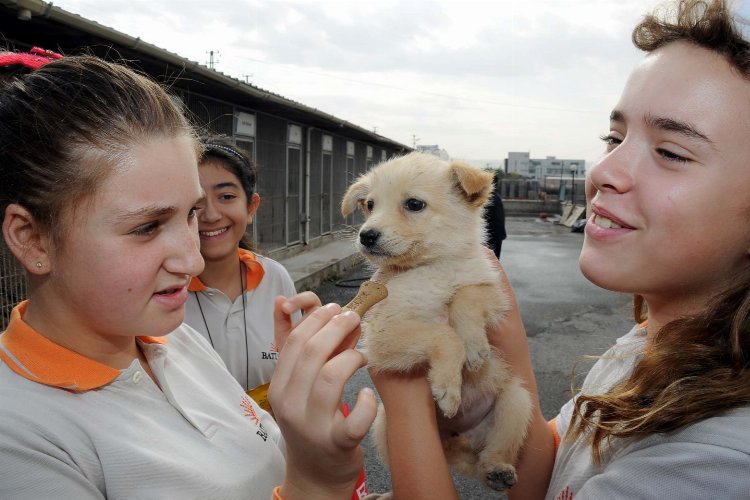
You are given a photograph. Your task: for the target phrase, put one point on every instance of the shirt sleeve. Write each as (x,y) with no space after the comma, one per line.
(32,467)
(673,470)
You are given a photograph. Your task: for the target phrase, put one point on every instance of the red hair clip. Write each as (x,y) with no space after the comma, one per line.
(33,59)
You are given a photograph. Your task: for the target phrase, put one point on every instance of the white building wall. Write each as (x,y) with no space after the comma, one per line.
(538,169)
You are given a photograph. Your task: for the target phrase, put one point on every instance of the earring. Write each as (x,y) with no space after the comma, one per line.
(38,265)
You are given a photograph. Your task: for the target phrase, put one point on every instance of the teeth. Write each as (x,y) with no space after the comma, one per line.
(213,233)
(606,223)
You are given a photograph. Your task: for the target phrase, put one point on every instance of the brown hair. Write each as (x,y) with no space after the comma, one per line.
(699,366)
(66,125)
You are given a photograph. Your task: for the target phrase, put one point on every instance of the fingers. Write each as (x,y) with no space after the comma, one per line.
(355,427)
(295,341)
(333,375)
(310,351)
(305,301)
(282,324)
(284,308)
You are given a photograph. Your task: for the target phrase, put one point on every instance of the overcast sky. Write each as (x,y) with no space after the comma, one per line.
(479,79)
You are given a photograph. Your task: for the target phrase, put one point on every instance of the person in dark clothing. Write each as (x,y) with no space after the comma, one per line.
(494,217)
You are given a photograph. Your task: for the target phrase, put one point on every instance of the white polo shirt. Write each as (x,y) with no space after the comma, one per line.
(706,459)
(250,359)
(72,428)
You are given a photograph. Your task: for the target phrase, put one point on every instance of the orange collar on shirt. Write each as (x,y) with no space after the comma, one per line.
(40,360)
(253,277)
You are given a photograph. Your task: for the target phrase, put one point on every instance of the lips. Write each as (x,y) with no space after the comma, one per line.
(172,297)
(606,220)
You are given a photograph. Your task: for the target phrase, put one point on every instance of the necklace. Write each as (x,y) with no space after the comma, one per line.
(244,324)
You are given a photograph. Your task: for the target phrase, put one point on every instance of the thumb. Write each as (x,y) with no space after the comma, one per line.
(282,323)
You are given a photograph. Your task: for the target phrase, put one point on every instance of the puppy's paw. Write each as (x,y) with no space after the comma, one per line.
(500,478)
(477,356)
(448,398)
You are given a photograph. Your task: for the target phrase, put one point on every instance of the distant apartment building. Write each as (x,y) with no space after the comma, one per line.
(520,163)
(434,150)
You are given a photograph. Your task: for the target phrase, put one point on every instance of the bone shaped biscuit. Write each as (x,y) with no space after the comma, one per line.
(370,293)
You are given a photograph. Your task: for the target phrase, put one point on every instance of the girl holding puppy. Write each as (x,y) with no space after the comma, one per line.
(664,413)
(104,393)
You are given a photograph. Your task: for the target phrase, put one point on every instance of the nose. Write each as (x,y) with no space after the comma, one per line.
(185,252)
(614,172)
(369,237)
(209,213)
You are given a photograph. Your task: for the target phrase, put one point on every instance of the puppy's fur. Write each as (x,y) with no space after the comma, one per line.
(424,233)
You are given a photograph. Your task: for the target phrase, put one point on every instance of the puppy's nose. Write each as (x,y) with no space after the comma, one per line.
(369,237)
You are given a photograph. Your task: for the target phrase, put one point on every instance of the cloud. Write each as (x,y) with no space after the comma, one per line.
(478,78)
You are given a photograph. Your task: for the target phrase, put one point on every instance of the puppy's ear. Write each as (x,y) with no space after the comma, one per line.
(356,192)
(473,183)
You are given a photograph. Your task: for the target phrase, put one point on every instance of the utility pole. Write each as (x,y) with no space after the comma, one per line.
(414,140)
(247,78)
(211,61)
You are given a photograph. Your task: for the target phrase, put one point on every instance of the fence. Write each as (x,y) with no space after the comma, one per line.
(12,284)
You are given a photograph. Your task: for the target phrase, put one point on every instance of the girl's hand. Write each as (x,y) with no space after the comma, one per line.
(418,466)
(285,309)
(534,466)
(324,458)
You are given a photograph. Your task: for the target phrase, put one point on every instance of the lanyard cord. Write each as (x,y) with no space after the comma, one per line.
(244,324)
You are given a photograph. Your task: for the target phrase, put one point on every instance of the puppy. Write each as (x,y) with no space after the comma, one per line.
(424,234)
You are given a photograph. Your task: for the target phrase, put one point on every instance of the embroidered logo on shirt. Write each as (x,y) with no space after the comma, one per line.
(565,494)
(247,405)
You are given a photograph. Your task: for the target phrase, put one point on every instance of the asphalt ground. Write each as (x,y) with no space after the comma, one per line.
(566,318)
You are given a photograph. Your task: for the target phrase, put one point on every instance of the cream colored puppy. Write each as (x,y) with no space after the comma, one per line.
(424,232)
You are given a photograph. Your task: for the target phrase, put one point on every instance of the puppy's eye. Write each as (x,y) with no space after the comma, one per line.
(414,205)
(369,205)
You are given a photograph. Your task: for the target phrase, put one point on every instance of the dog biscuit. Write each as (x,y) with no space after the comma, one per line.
(370,293)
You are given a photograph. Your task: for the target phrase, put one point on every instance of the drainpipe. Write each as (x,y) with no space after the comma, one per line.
(307,185)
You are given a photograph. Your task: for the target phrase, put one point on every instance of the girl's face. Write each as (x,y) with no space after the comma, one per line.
(227,211)
(129,253)
(668,203)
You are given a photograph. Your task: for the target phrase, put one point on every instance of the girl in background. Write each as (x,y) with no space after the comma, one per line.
(231,302)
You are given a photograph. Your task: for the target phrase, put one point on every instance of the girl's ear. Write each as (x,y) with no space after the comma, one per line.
(252,207)
(24,238)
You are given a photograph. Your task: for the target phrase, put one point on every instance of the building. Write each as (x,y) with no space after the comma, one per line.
(434,150)
(306,157)
(520,163)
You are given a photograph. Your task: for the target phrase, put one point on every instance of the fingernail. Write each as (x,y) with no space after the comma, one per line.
(331,306)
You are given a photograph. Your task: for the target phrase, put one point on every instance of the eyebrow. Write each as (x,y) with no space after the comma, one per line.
(151,212)
(668,124)
(148,212)
(223,185)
